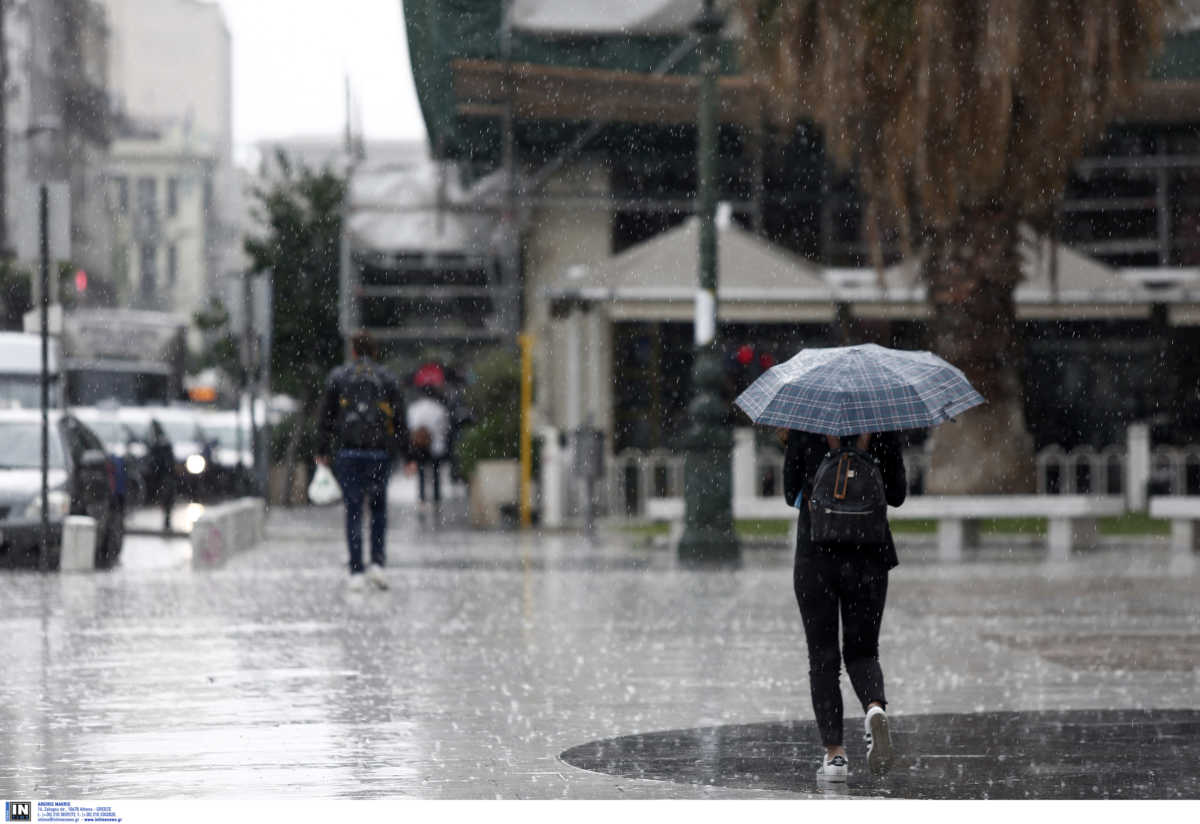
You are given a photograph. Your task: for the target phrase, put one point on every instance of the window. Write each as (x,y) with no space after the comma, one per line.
(147,195)
(145,224)
(172,196)
(121,186)
(172,264)
(149,272)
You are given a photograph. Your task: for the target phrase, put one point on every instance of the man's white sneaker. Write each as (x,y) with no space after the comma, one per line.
(356,583)
(375,576)
(833,769)
(879,741)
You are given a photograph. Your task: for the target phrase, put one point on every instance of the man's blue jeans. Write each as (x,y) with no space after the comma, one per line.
(363,475)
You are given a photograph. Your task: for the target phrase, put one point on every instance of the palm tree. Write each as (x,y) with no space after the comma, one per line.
(961,119)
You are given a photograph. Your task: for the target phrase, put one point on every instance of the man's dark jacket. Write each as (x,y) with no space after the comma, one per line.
(801,459)
(328,438)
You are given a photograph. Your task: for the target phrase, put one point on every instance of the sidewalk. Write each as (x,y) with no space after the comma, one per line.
(539,665)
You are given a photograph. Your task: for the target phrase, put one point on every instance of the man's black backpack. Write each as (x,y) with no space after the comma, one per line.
(848,504)
(366,419)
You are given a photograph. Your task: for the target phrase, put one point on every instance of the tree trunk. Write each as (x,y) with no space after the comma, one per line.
(308,413)
(972,269)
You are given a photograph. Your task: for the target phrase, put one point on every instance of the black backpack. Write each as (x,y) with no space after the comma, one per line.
(366,419)
(848,504)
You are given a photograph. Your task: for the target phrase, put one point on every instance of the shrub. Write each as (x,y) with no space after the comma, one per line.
(494,398)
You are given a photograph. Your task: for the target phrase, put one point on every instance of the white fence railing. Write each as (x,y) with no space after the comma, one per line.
(634,475)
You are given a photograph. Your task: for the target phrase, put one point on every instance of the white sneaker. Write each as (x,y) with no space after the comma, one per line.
(376,577)
(356,583)
(834,769)
(879,741)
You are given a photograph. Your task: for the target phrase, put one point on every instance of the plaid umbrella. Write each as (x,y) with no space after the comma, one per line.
(853,389)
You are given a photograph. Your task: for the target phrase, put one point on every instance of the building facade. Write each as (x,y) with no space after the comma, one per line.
(57,126)
(170,67)
(159,188)
(595,118)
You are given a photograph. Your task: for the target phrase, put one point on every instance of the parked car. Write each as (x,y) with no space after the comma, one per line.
(21,371)
(126,447)
(82,481)
(227,436)
(193,476)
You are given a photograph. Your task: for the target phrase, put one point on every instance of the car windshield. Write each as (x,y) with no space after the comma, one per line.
(25,391)
(178,430)
(108,431)
(21,445)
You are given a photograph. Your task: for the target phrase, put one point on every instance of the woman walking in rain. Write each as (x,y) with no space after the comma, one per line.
(849,579)
(843,480)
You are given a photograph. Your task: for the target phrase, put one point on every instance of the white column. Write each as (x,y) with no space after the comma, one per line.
(1183,536)
(574,367)
(595,365)
(1058,540)
(950,540)
(1137,466)
(552,478)
(745,459)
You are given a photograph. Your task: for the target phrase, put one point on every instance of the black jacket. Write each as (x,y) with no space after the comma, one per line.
(804,453)
(327,422)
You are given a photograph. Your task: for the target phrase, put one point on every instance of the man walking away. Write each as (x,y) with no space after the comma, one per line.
(429,425)
(361,428)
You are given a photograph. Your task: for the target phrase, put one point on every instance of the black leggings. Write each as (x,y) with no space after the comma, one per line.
(854,583)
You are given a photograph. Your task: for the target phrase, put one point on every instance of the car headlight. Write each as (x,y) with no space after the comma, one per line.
(58,502)
(195,464)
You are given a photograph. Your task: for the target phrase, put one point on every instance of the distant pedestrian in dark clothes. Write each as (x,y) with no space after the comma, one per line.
(850,580)
(161,460)
(362,427)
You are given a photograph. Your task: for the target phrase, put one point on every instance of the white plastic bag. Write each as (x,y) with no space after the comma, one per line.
(324,489)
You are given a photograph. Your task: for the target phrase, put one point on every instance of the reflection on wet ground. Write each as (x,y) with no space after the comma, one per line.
(1072,754)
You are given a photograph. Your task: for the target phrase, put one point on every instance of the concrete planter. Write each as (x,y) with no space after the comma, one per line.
(226,529)
(494,484)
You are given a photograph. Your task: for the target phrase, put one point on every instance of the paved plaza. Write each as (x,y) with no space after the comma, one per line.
(542,665)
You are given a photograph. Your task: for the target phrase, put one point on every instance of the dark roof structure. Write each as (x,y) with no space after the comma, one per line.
(564,64)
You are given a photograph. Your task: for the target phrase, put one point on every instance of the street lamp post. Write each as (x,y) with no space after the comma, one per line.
(44,306)
(708,534)
(44,317)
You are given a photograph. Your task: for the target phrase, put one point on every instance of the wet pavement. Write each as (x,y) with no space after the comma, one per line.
(1056,754)
(510,665)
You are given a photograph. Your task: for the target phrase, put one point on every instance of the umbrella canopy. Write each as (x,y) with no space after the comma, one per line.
(431,374)
(849,390)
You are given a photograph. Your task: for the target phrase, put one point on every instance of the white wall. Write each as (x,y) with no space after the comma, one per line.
(556,239)
(170,60)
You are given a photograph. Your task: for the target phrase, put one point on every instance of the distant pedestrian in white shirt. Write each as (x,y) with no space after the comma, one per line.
(429,430)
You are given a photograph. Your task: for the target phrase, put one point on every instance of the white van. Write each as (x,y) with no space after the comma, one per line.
(21,371)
